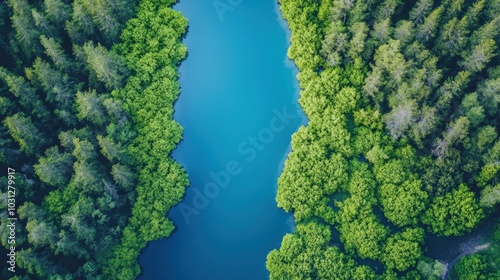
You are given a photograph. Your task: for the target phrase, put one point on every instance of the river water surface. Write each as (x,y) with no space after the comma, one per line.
(238,107)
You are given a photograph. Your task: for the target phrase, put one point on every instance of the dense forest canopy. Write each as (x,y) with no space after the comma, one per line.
(87,91)
(403,101)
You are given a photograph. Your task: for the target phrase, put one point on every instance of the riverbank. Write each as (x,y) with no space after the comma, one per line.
(451,265)
(446,249)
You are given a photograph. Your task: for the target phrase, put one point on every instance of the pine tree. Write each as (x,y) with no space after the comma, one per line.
(453,37)
(43,24)
(57,11)
(108,66)
(25,94)
(84,150)
(55,168)
(123,176)
(23,23)
(110,149)
(58,86)
(400,119)
(54,50)
(21,128)
(420,11)
(81,27)
(427,30)
(477,59)
(456,131)
(490,94)
(90,107)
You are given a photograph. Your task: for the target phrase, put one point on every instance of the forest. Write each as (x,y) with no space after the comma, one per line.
(402,143)
(86,106)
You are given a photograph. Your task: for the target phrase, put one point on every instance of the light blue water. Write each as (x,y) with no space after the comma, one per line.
(236,84)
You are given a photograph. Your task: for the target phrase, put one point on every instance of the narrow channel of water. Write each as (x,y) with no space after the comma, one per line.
(238,107)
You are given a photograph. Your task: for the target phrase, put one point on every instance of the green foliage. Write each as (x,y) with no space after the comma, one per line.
(403,204)
(403,250)
(490,196)
(57,85)
(99,19)
(88,123)
(109,148)
(478,58)
(123,176)
(472,267)
(364,236)
(306,255)
(485,137)
(455,213)
(35,263)
(55,168)
(53,48)
(475,112)
(391,172)
(106,65)
(21,128)
(56,11)
(91,108)
(432,270)
(405,96)
(23,22)
(322,175)
(428,28)
(152,50)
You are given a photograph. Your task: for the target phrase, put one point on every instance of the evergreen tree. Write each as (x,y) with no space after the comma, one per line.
(22,129)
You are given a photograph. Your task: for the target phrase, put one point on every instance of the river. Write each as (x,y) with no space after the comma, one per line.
(238,107)
(449,250)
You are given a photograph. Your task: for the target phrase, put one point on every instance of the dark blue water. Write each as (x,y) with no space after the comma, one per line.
(238,109)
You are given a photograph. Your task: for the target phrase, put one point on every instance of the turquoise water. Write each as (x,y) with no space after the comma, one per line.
(238,109)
